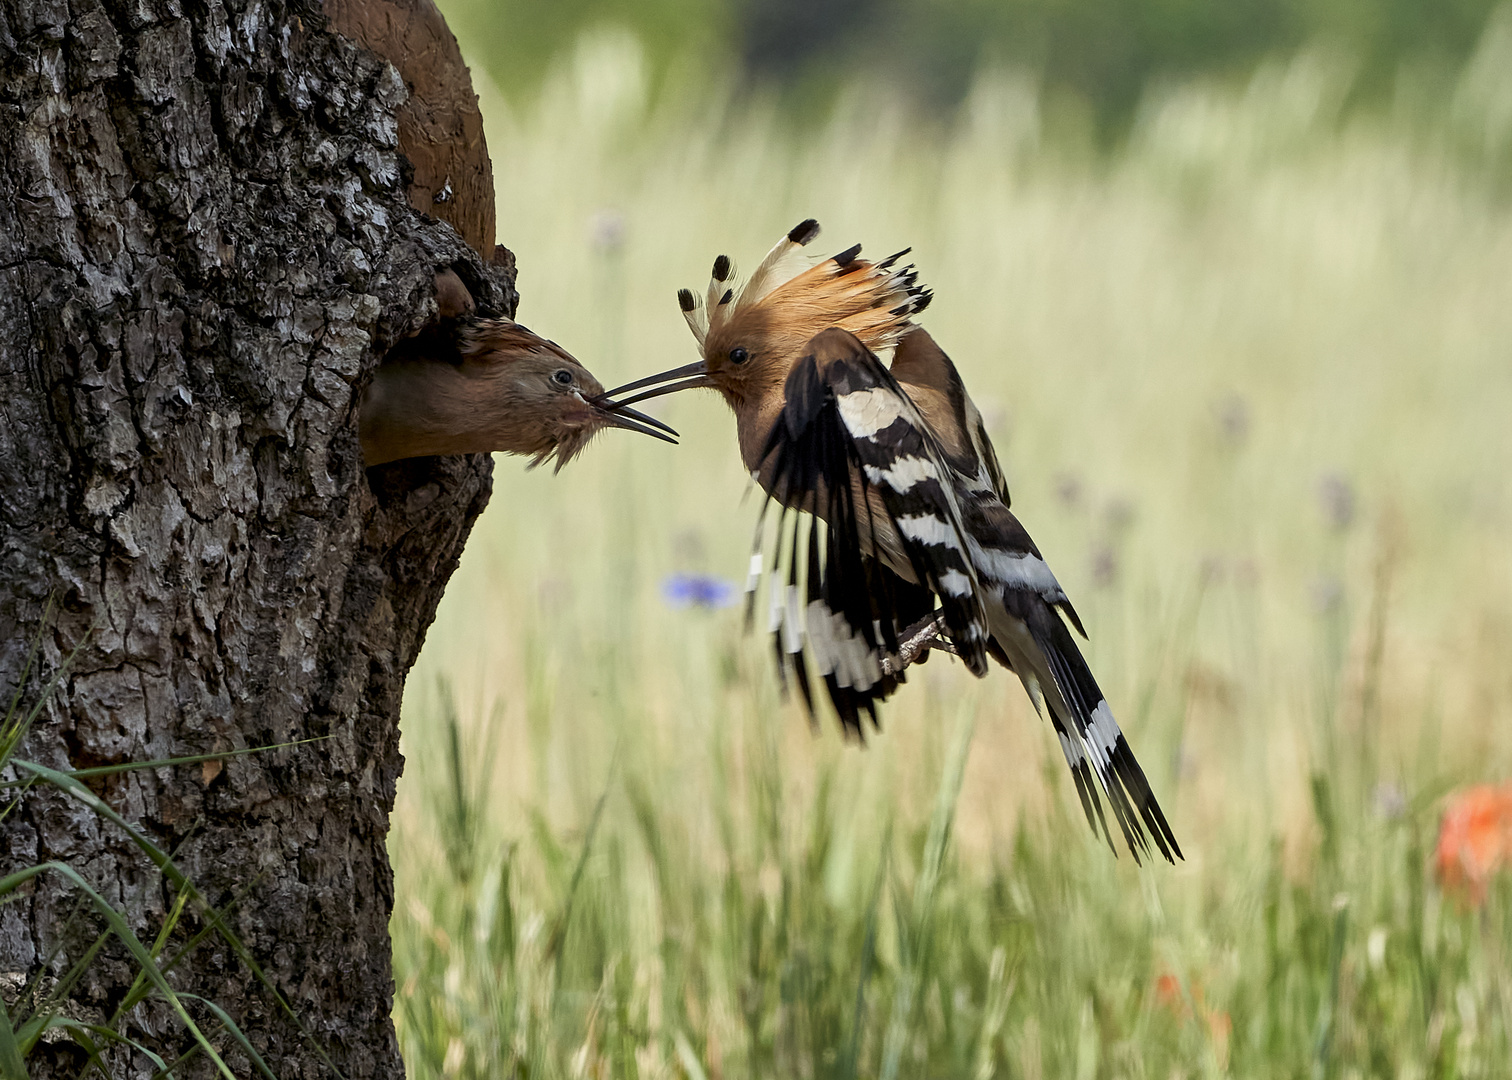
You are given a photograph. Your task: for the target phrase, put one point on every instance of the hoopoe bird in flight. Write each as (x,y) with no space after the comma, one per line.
(468,385)
(896,462)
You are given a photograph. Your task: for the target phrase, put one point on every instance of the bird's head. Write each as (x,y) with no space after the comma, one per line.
(750,336)
(496,385)
(533,396)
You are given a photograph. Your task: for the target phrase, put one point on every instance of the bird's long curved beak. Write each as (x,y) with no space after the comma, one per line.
(614,414)
(692,377)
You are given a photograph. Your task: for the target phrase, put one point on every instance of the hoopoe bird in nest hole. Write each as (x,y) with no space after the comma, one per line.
(896,463)
(469,384)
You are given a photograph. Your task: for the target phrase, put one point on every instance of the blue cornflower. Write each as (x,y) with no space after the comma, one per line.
(697,590)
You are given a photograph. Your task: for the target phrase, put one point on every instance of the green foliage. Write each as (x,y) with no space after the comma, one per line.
(519,41)
(1044,962)
(1101,53)
(1107,52)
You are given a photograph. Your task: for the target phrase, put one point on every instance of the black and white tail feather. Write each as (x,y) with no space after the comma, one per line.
(1091,740)
(1032,639)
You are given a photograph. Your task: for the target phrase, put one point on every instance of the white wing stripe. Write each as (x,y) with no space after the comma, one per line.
(839,651)
(1070,749)
(792,640)
(903,473)
(821,638)
(955,583)
(866,412)
(928,529)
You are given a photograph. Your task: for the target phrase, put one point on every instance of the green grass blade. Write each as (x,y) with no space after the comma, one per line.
(138,989)
(163,763)
(687,1058)
(868,957)
(165,1072)
(559,931)
(78,1027)
(12,1066)
(169,870)
(43,1012)
(123,932)
(922,915)
(236,1033)
(72,787)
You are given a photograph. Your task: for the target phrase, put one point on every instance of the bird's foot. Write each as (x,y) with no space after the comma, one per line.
(917,640)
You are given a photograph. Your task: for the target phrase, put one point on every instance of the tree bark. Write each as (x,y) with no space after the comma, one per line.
(205,248)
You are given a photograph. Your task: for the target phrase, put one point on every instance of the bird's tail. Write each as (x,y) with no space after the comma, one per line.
(1094,745)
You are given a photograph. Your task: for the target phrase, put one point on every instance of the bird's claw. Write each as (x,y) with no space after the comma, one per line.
(918,639)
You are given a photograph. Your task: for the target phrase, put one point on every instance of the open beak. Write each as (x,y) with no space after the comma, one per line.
(614,414)
(691,376)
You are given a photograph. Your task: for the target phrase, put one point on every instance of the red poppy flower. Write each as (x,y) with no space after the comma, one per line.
(1475,840)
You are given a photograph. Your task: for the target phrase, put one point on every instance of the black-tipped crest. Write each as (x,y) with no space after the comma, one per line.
(686,300)
(848,256)
(844,290)
(804,231)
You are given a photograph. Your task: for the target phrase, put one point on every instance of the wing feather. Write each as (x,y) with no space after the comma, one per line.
(892,538)
(932,381)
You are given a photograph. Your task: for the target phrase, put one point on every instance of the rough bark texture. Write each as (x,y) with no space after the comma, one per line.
(440,126)
(205,246)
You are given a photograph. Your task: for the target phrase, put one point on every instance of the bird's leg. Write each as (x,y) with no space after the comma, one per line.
(916,640)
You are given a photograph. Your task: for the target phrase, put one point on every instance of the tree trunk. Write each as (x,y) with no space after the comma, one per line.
(205,247)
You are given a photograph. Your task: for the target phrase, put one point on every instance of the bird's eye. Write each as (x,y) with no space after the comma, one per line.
(563,377)
(738,355)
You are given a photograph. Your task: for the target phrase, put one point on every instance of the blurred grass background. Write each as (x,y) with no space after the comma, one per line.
(1241,326)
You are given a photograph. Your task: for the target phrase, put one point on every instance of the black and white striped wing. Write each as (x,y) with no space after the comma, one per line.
(932,381)
(847,610)
(850,448)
